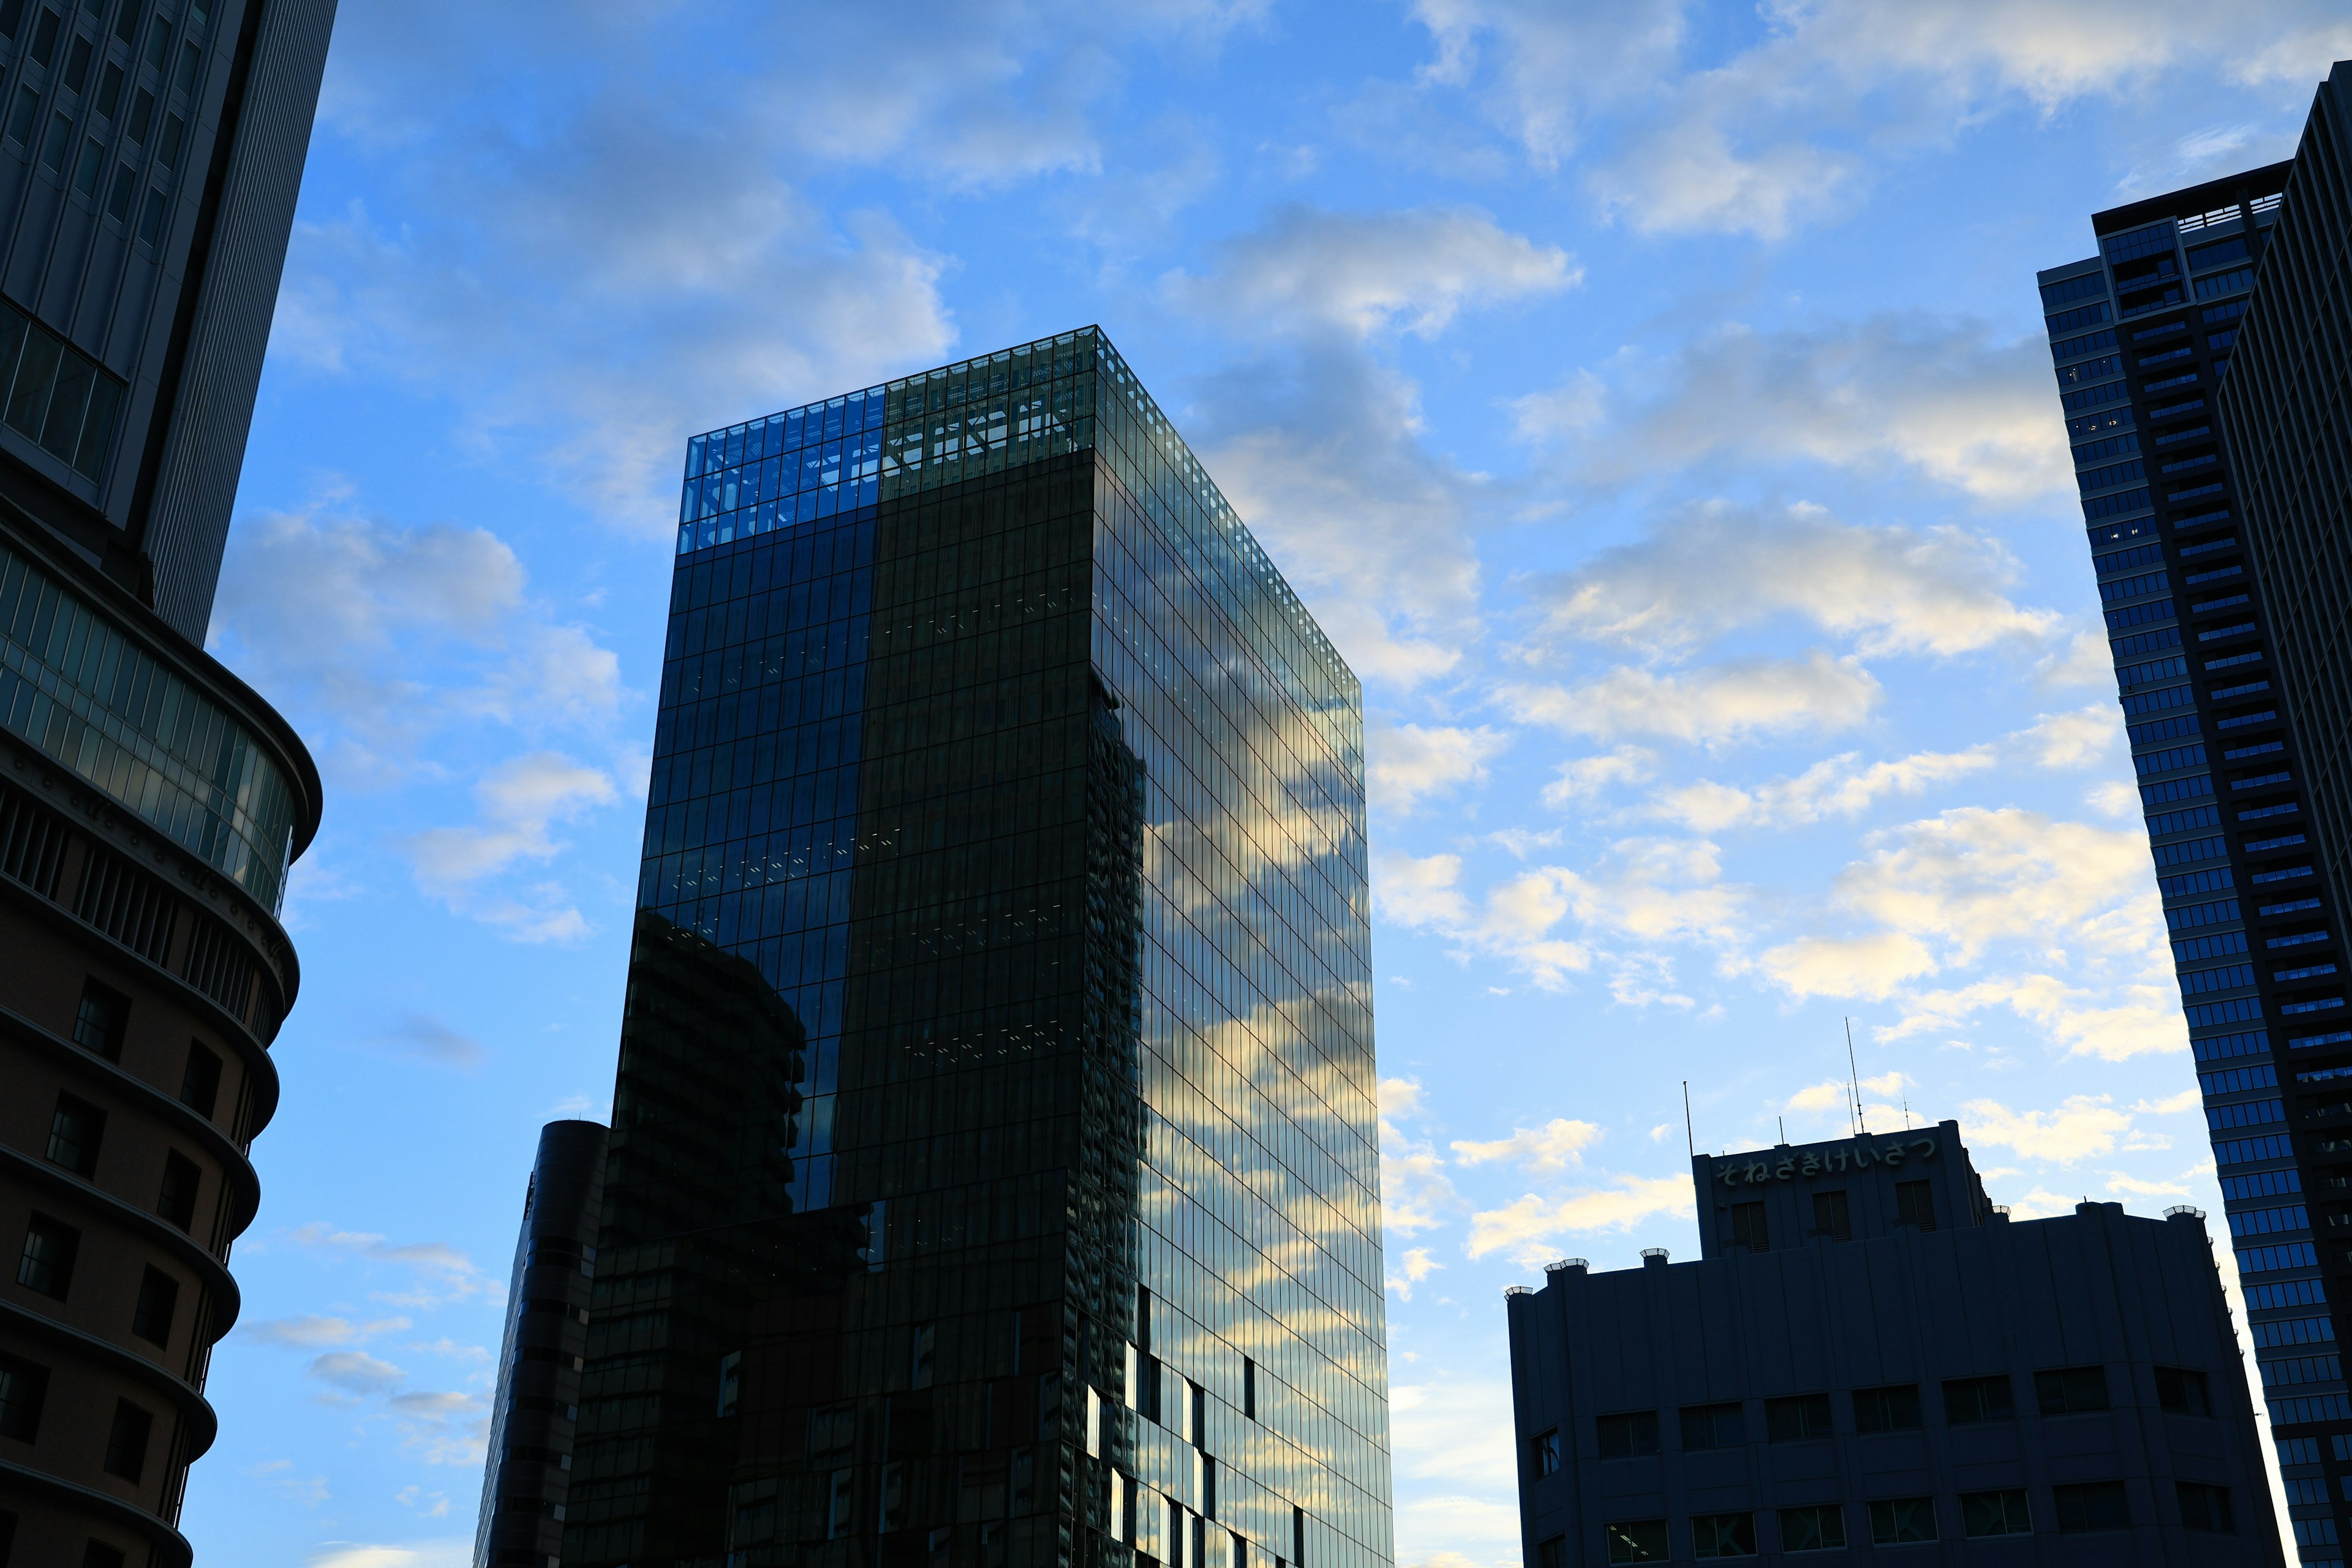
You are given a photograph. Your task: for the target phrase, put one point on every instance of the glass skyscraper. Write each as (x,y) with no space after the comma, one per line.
(2143,336)
(994,1172)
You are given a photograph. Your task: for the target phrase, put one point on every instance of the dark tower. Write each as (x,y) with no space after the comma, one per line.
(996,1093)
(150,802)
(2283,410)
(2145,337)
(529,1472)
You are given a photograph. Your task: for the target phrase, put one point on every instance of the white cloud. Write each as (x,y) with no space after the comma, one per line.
(1719,568)
(1945,889)
(1526,1227)
(2079,739)
(1454,1462)
(1777,134)
(2084,1127)
(1409,762)
(1588,778)
(314,1332)
(1540,70)
(1317,443)
(427,1038)
(355,1372)
(1305,269)
(1648,890)
(1736,700)
(441,1272)
(450,1553)
(1557,1145)
(1410,1269)
(1415,1194)
(519,801)
(1834,787)
(380,638)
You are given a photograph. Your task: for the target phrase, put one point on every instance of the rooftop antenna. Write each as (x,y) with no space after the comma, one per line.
(1906,1113)
(1854,1078)
(1784,1127)
(1690,1139)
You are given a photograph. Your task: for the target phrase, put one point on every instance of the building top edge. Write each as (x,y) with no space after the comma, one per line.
(2193,201)
(2064,270)
(1112,373)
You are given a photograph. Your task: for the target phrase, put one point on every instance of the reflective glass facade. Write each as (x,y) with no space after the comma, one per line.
(993,1175)
(91,698)
(2144,335)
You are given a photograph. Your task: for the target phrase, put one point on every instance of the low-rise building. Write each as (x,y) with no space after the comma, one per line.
(1870,1358)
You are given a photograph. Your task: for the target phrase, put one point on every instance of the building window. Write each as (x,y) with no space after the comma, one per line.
(99,1554)
(109,90)
(2183,1391)
(1249,1388)
(1628,1436)
(1797,1418)
(730,1382)
(200,1084)
(21,114)
(1747,1228)
(1712,1427)
(1971,1400)
(925,1357)
(1723,1535)
(100,1021)
(1898,1521)
(2096,1505)
(159,1298)
(47,1262)
(177,1201)
(2205,1508)
(2071,1390)
(1636,1540)
(1894,1408)
(1831,1219)
(1544,1450)
(1995,1513)
(840,1501)
(76,1129)
(1915,1203)
(126,1441)
(1552,1553)
(24,1387)
(894,1497)
(1821,1529)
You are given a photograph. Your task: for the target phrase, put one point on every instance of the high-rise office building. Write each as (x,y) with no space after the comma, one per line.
(2143,335)
(1868,1355)
(150,802)
(993,1176)
(2289,438)
(2286,412)
(526,1479)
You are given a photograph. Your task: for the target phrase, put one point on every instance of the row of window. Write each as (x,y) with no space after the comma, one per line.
(54,140)
(1896,1407)
(24,1393)
(1899,1522)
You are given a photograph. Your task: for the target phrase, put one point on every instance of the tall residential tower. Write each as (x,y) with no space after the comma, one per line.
(2143,335)
(150,802)
(993,1173)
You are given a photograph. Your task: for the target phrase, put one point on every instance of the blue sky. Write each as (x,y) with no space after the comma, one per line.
(1649,398)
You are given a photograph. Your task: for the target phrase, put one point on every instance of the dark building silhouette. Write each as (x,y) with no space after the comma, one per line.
(2281,411)
(995,1109)
(2145,336)
(150,802)
(1868,1358)
(527,1473)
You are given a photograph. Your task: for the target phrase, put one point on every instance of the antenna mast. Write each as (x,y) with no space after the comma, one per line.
(1690,1139)
(1854,1078)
